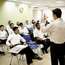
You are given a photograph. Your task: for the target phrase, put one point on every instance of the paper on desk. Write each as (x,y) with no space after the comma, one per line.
(17,48)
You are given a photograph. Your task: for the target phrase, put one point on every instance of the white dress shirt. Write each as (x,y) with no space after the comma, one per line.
(23,30)
(10,31)
(7,27)
(56,31)
(28,26)
(14,39)
(3,35)
(38,33)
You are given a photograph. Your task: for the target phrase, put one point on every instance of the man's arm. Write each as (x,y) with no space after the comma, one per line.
(48,28)
(8,42)
(22,40)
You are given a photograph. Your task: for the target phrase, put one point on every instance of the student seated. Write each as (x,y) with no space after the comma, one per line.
(23,29)
(10,28)
(27,24)
(15,39)
(3,35)
(31,28)
(39,37)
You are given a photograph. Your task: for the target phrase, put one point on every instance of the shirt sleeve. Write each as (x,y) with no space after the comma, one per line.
(48,28)
(22,39)
(6,34)
(35,33)
(8,40)
(26,30)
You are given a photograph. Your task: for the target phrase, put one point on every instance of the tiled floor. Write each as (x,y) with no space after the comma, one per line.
(5,60)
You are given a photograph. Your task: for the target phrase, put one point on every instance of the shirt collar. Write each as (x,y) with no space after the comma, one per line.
(58,20)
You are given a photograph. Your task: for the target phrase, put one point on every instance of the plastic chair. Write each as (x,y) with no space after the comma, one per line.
(15,54)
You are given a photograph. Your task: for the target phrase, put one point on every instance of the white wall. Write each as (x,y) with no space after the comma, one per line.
(9,11)
(63,13)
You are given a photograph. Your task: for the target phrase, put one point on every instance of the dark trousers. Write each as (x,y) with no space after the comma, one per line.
(29,54)
(45,44)
(57,53)
(2,41)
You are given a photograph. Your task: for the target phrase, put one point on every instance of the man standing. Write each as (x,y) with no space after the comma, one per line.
(56,32)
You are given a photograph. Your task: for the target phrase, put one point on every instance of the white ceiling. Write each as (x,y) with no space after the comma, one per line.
(42,3)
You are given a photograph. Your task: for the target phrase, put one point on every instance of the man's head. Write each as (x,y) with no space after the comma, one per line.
(11,25)
(16,31)
(1,27)
(18,23)
(9,22)
(38,21)
(21,24)
(37,25)
(57,13)
(33,22)
(27,22)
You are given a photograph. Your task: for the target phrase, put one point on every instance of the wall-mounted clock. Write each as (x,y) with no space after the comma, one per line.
(21,10)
